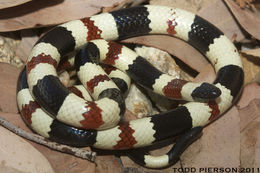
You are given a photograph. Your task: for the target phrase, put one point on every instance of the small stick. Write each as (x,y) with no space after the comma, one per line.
(88,155)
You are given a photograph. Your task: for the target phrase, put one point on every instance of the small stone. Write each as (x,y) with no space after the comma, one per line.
(138,103)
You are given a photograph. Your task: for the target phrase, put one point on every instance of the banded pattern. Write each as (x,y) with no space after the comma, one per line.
(61,103)
(126,60)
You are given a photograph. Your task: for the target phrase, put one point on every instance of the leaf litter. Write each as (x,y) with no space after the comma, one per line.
(235,137)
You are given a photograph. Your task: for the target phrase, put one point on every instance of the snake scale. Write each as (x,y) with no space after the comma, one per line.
(70,116)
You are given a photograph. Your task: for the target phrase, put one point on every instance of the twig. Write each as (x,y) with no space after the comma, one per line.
(88,155)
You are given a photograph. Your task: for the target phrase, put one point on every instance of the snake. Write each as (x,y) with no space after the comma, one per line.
(70,116)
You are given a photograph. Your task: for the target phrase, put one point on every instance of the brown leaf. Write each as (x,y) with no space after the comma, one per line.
(218,14)
(29,38)
(192,6)
(108,164)
(257,151)
(60,162)
(249,112)
(49,12)
(251,67)
(250,92)
(219,145)
(8,82)
(249,20)
(17,154)
(249,104)
(11,3)
(206,75)
(250,143)
(243,3)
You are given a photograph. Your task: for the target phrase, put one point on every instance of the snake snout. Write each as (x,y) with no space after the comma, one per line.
(206,91)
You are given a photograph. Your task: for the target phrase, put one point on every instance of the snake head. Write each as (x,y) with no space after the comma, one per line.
(206,91)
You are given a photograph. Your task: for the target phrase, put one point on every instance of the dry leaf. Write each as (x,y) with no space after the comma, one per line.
(244,3)
(249,93)
(29,38)
(206,75)
(249,142)
(60,162)
(249,112)
(19,155)
(49,12)
(108,164)
(251,67)
(257,151)
(249,20)
(8,81)
(192,6)
(11,3)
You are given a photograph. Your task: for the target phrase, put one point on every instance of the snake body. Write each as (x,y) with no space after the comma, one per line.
(51,109)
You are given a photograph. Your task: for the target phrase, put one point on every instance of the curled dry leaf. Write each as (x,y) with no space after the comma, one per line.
(49,12)
(249,20)
(19,155)
(11,3)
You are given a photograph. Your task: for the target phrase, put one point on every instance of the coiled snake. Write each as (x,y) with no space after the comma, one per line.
(55,112)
